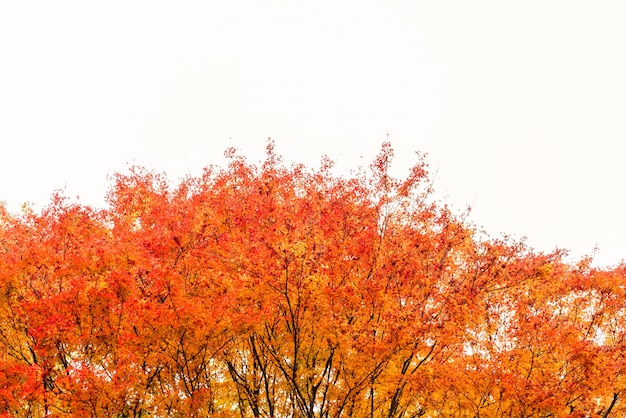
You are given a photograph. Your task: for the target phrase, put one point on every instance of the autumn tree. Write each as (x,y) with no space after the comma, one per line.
(280,291)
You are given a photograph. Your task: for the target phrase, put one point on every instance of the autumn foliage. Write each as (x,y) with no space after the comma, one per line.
(281,291)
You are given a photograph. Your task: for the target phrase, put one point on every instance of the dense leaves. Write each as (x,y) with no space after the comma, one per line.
(277,291)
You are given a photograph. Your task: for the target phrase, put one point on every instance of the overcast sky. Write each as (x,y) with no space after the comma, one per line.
(521,105)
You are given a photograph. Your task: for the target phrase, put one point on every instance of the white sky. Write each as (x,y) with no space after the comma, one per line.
(521,105)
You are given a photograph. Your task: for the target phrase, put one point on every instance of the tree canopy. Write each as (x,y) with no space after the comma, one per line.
(282,291)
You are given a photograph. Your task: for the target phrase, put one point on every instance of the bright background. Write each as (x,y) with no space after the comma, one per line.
(521,105)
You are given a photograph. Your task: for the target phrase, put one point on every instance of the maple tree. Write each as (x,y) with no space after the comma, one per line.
(275,291)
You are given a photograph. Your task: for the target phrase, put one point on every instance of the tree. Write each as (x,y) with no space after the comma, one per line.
(277,290)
